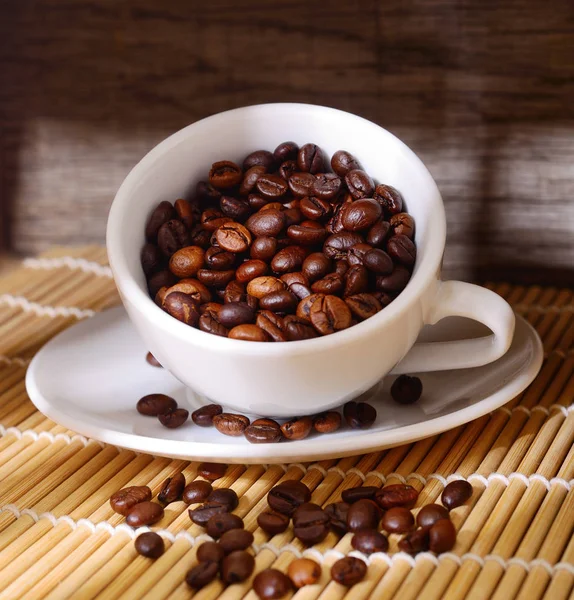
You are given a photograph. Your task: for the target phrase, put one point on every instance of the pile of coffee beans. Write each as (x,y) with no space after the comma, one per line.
(288,246)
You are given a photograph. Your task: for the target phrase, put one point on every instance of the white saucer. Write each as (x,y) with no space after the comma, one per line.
(90,377)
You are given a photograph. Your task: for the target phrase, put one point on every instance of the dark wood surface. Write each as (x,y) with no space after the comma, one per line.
(482,90)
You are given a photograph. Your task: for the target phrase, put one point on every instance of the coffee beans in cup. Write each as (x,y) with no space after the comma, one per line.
(286,246)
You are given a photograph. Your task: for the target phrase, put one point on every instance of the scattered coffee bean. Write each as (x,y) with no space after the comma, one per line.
(351,495)
(174,418)
(144,513)
(201,575)
(398,520)
(359,415)
(187,261)
(286,497)
(197,491)
(182,307)
(342,162)
(235,539)
(369,541)
(271,584)
(337,513)
(204,512)
(154,405)
(311,159)
(389,198)
(402,249)
(442,536)
(406,389)
(286,151)
(231,424)
(400,494)
(248,333)
(303,571)
(327,422)
(149,544)
(415,541)
(225,496)
(348,570)
(210,552)
(211,471)
(261,158)
(124,500)
(237,567)
(204,416)
(153,361)
(225,174)
(430,514)
(310,523)
(172,489)
(403,224)
(263,431)
(363,514)
(456,494)
(297,428)
(272,522)
(219,523)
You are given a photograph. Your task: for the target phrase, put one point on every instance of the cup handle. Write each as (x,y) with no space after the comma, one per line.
(457,298)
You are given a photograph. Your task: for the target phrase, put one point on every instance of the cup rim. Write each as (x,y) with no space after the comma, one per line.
(131,291)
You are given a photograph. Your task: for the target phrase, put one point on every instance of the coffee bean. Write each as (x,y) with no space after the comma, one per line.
(213,218)
(281,302)
(288,259)
(193,288)
(363,306)
(250,269)
(378,234)
(233,237)
(303,571)
(431,513)
(356,280)
(149,544)
(248,333)
(301,184)
(286,151)
(395,282)
(360,184)
(399,494)
(354,494)
(348,570)
(187,261)
(368,541)
(209,322)
(197,491)
(398,520)
(230,424)
(201,575)
(286,497)
(235,539)
(161,214)
(337,513)
(272,186)
(335,223)
(160,279)
(206,192)
(204,512)
(234,208)
(402,249)
(172,236)
(268,223)
(298,428)
(361,214)
(272,522)
(225,174)
(263,431)
(262,158)
(308,233)
(442,536)
(172,489)
(406,390)
(271,324)
(173,418)
(456,494)
(124,500)
(337,245)
(218,259)
(359,415)
(316,266)
(332,284)
(182,307)
(271,584)
(153,405)
(261,286)
(403,224)
(356,254)
(327,186)
(378,261)
(363,514)
(297,329)
(415,541)
(225,496)
(389,198)
(384,298)
(257,201)
(211,471)
(144,513)
(235,313)
(151,259)
(250,179)
(220,523)
(237,567)
(264,248)
(310,523)
(152,360)
(342,162)
(311,159)
(329,314)
(315,208)
(327,422)
(204,416)
(210,552)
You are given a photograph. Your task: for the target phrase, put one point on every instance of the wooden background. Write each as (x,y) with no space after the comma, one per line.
(482,90)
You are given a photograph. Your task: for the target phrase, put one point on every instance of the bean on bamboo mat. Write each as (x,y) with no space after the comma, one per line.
(59,538)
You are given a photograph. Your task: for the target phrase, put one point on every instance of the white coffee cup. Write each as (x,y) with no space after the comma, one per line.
(305,377)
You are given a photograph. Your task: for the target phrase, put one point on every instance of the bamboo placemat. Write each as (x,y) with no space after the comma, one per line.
(59,537)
